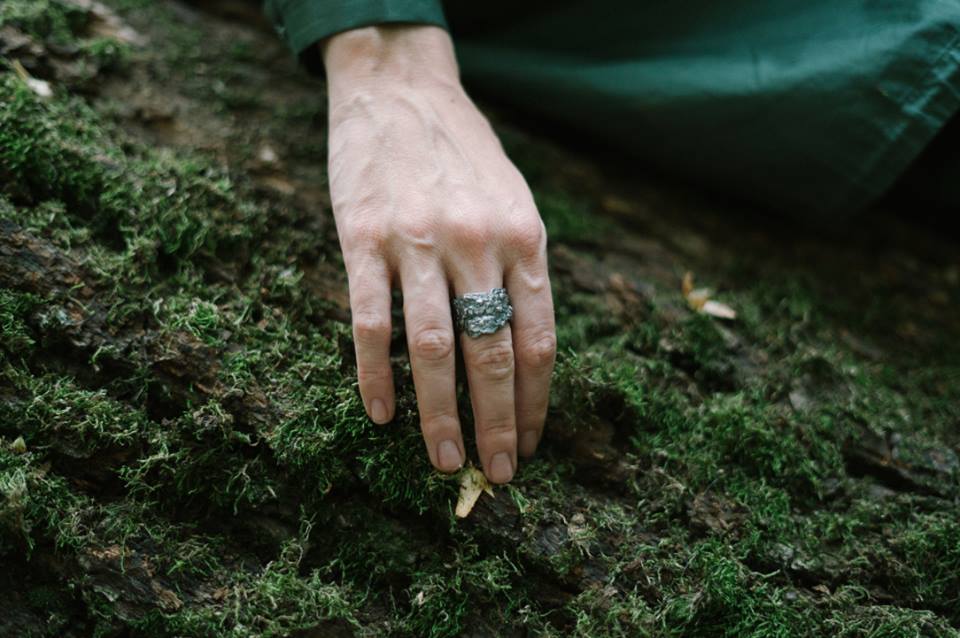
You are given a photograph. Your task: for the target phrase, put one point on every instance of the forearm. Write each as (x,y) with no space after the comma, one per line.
(416,56)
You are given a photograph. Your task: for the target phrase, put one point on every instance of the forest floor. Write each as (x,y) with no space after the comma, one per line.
(183,451)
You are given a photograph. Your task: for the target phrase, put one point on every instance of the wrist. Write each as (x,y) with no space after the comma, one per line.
(409,55)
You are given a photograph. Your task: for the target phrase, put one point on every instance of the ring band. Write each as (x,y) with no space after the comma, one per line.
(482,313)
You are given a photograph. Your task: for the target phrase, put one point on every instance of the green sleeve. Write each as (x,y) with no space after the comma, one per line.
(302,23)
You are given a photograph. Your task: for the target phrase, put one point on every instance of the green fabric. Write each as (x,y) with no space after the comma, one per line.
(302,23)
(812,109)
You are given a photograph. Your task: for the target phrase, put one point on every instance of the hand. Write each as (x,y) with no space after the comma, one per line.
(425,198)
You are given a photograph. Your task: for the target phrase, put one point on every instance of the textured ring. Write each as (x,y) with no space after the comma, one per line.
(482,313)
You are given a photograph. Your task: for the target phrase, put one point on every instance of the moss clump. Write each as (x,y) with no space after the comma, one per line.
(36,507)
(53,20)
(15,335)
(927,551)
(276,601)
(146,208)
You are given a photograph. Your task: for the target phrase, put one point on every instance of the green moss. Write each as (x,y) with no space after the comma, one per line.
(54,413)
(54,20)
(725,601)
(928,565)
(15,336)
(440,601)
(208,475)
(274,602)
(568,220)
(146,206)
(35,505)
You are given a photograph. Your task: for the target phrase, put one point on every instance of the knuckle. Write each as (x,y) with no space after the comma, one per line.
(418,229)
(364,232)
(498,425)
(495,361)
(527,236)
(369,327)
(471,231)
(433,344)
(439,425)
(539,353)
(367,375)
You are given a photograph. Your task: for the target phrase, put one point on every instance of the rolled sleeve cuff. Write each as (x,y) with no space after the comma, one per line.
(302,23)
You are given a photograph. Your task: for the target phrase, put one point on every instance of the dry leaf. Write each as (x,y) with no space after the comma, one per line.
(18,446)
(687,287)
(718,310)
(40,87)
(699,299)
(472,482)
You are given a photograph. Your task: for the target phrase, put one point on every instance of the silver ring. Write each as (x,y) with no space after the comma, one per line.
(482,313)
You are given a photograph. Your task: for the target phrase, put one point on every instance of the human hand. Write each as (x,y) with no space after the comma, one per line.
(425,198)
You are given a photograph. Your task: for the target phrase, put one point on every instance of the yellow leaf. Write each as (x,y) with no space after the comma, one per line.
(699,299)
(718,310)
(18,446)
(687,286)
(40,87)
(472,482)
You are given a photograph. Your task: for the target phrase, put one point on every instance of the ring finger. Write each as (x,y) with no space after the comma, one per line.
(489,361)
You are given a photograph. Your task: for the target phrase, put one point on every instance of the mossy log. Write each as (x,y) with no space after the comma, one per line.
(183,451)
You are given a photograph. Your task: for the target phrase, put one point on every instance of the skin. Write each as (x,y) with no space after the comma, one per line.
(425,199)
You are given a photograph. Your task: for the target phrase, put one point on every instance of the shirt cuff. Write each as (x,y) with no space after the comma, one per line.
(303,23)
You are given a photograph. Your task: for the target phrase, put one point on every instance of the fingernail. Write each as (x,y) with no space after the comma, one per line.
(501,468)
(528,443)
(378,411)
(448,456)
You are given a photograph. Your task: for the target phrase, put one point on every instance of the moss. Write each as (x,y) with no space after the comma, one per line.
(53,413)
(928,566)
(326,428)
(441,601)
(260,494)
(277,601)
(146,206)
(54,20)
(15,336)
(600,612)
(35,506)
(107,54)
(726,602)
(46,151)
